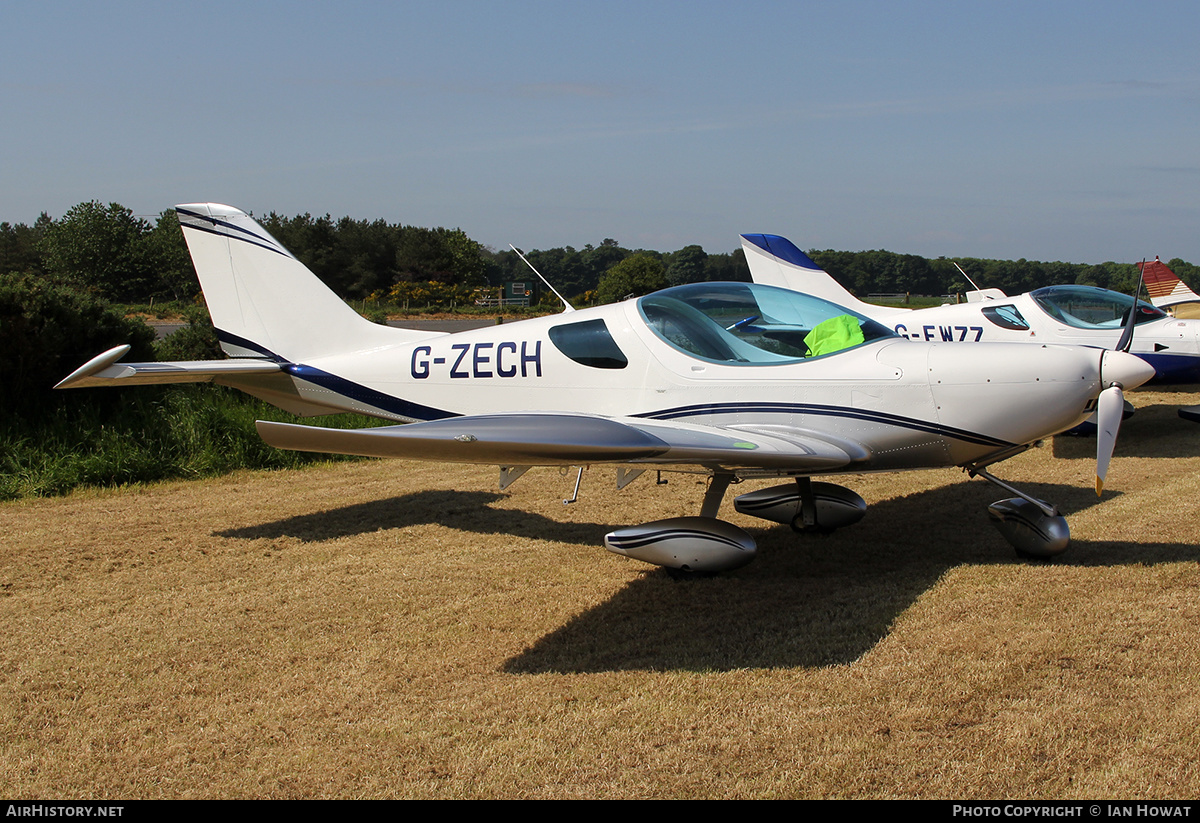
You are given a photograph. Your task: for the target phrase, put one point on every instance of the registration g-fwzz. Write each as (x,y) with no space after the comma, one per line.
(1071,314)
(732,380)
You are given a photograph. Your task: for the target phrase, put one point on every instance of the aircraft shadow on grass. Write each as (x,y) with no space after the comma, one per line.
(807,601)
(467,511)
(1153,431)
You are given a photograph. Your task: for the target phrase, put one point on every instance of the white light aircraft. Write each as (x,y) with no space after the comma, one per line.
(732,380)
(1171,294)
(1078,315)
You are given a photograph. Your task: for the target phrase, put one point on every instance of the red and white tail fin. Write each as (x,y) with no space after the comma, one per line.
(1164,287)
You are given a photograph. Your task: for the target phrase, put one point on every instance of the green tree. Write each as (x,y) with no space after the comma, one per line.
(599,259)
(102,248)
(48,330)
(467,257)
(639,274)
(20,246)
(365,258)
(167,253)
(195,341)
(727,267)
(422,255)
(687,266)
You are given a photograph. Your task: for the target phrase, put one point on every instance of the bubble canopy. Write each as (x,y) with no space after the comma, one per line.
(754,325)
(1087,307)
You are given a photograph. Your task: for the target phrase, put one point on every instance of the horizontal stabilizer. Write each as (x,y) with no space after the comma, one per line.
(103,370)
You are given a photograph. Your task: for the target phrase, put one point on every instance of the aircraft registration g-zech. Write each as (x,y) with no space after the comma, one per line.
(1077,315)
(730,380)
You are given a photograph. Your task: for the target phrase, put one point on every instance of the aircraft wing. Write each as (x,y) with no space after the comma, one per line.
(547,439)
(104,370)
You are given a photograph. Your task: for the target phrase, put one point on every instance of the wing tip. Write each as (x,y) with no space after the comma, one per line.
(98,363)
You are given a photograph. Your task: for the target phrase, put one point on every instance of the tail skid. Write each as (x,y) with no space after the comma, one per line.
(266,303)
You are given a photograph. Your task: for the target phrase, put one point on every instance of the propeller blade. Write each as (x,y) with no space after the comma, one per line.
(1111,406)
(1126,340)
(1109,411)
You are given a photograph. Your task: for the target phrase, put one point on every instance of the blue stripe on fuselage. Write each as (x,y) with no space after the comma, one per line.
(416,411)
(1173,368)
(342,386)
(364,394)
(705,409)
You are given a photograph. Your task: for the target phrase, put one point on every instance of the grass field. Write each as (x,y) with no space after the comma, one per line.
(395,629)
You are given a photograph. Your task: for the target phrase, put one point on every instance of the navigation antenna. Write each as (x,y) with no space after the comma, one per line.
(566,306)
(964,274)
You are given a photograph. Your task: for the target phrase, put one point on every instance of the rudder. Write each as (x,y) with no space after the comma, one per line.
(265,302)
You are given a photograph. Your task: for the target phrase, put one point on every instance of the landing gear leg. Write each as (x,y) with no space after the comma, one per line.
(715,494)
(805,521)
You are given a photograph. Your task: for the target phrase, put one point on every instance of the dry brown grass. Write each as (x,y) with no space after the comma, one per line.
(392,629)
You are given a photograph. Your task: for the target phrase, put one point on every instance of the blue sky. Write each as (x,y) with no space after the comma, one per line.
(1050,131)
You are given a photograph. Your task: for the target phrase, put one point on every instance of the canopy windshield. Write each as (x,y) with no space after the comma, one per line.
(752,324)
(1087,307)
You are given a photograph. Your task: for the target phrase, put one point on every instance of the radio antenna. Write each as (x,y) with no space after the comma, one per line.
(964,274)
(566,306)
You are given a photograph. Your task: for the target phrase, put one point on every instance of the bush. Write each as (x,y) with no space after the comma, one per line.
(48,330)
(149,433)
(195,341)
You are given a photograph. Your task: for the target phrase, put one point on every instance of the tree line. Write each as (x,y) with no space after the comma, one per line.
(884,272)
(116,255)
(113,254)
(55,275)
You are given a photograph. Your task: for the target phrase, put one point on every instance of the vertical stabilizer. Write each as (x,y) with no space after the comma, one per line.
(1165,287)
(776,261)
(265,302)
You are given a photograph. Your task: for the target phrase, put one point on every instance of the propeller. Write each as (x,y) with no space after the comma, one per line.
(1111,405)
(1109,411)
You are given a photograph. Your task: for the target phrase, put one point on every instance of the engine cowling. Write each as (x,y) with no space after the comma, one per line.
(699,544)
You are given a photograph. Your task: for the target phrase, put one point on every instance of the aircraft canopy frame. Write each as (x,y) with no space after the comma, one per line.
(752,324)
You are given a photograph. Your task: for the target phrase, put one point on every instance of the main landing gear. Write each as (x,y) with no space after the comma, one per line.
(706,544)
(808,507)
(696,546)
